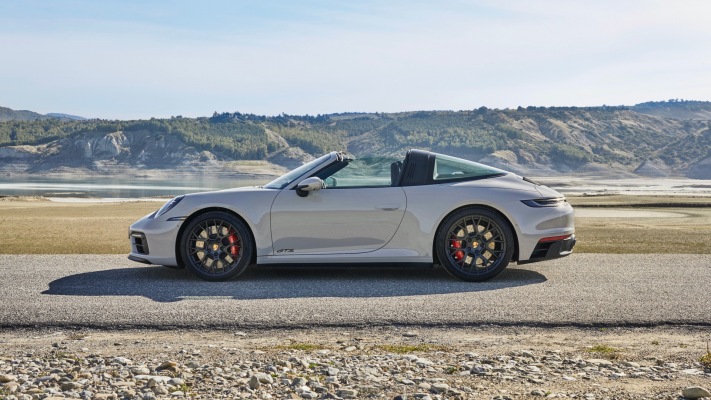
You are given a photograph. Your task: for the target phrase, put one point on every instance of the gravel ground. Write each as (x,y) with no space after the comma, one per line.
(387,362)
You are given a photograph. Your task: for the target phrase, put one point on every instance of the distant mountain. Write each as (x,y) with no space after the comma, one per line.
(7,114)
(612,141)
(676,109)
(65,116)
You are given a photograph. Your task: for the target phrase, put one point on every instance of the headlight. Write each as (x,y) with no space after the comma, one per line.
(545,202)
(168,206)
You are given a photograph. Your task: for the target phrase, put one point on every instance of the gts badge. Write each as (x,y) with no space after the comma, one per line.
(285,251)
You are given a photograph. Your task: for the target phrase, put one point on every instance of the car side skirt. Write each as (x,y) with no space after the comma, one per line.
(378,256)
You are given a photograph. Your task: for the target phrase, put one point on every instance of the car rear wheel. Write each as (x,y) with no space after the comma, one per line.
(216,246)
(474,244)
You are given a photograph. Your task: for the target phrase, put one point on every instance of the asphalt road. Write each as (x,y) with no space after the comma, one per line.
(109,291)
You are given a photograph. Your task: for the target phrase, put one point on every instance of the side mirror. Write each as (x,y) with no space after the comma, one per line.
(309,185)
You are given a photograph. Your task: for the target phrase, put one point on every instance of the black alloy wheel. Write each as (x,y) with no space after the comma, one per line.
(216,246)
(474,244)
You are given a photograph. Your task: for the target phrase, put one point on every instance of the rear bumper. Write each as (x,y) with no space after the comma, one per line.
(551,250)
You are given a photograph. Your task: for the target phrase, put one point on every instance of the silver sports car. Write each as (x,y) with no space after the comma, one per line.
(426,208)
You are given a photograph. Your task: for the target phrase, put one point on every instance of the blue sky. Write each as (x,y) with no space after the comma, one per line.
(138,59)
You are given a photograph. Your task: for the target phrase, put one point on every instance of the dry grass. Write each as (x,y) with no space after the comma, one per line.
(43,227)
(605,351)
(68,228)
(690,234)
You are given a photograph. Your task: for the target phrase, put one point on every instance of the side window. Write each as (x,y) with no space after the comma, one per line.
(450,168)
(363,172)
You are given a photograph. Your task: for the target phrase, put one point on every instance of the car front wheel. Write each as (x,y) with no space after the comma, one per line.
(474,244)
(216,246)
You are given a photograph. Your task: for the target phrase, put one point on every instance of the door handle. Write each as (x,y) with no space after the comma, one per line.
(388,207)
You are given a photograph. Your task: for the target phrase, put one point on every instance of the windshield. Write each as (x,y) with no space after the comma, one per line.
(284,180)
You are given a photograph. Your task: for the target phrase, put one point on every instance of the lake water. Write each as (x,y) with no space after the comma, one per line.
(131,188)
(104,187)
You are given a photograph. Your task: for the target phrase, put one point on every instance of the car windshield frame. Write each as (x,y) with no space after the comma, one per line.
(291,176)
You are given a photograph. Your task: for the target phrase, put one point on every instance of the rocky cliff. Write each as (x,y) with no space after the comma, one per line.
(610,141)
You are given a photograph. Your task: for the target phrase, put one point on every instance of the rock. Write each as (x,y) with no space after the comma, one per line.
(152,379)
(254,383)
(350,348)
(332,371)
(160,390)
(176,381)
(141,370)
(526,353)
(347,393)
(410,334)
(538,393)
(168,366)
(264,378)
(692,371)
(66,386)
(7,378)
(599,361)
(423,362)
(123,384)
(569,378)
(11,387)
(630,364)
(439,387)
(695,392)
(122,360)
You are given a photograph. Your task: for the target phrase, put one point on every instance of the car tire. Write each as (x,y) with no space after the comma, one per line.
(474,244)
(216,246)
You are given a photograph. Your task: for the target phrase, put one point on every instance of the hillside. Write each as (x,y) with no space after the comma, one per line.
(618,141)
(676,109)
(7,114)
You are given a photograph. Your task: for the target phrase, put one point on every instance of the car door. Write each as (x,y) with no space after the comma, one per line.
(332,221)
(357,212)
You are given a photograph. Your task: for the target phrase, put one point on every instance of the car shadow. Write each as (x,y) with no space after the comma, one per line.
(162,284)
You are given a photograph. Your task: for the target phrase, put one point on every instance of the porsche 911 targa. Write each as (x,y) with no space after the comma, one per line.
(471,218)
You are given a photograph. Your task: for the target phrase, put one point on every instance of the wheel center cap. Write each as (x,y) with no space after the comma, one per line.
(215,247)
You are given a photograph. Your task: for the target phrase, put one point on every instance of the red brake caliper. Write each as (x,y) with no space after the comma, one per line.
(234,249)
(458,255)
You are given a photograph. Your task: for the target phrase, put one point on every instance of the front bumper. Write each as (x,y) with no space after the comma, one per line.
(551,250)
(153,241)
